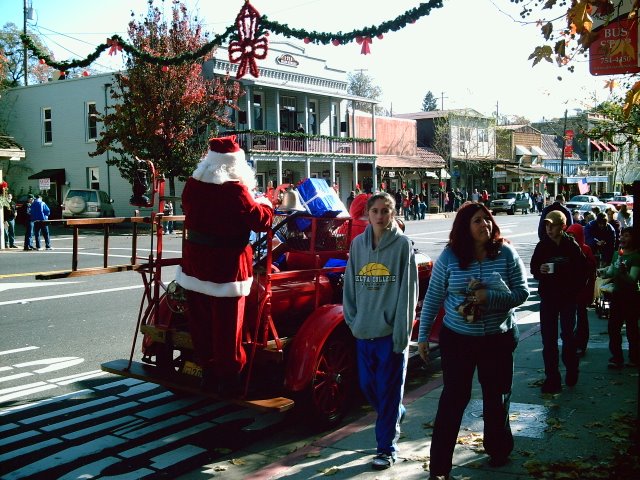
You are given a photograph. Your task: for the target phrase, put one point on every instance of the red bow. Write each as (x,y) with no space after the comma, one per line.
(248,48)
(115,46)
(365,42)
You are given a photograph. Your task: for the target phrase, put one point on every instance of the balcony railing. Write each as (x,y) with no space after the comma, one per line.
(302,143)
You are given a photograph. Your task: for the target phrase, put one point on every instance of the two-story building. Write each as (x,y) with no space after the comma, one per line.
(521,165)
(295,121)
(465,139)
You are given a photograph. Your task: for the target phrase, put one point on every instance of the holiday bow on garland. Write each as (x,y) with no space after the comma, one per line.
(248,48)
(115,46)
(251,27)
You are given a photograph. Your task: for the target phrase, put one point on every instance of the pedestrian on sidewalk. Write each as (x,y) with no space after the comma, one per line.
(39,213)
(624,272)
(557,205)
(28,224)
(585,297)
(561,270)
(10,214)
(379,301)
(480,280)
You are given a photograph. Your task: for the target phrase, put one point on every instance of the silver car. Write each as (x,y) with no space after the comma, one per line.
(87,203)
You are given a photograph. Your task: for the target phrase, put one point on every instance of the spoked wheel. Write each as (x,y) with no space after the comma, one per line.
(334,382)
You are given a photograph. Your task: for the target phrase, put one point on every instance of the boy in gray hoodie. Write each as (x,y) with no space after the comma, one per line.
(379,302)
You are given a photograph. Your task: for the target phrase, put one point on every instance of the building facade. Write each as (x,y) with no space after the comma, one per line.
(293,122)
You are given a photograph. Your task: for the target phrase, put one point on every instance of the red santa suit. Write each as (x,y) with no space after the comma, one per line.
(216,267)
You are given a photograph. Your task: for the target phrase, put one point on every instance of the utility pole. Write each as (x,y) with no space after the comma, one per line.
(442,97)
(564,144)
(25,52)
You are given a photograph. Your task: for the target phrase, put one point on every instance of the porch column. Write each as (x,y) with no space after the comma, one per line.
(355,173)
(374,175)
(333,171)
(278,124)
(279,166)
(307,167)
(249,105)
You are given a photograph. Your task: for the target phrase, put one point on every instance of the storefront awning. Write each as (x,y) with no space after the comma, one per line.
(612,147)
(522,150)
(595,144)
(53,173)
(604,145)
(538,151)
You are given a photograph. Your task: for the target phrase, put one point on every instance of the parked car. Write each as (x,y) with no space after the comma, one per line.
(510,202)
(588,207)
(579,200)
(606,196)
(87,203)
(620,200)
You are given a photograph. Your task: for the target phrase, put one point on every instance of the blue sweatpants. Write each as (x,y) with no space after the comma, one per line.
(382,373)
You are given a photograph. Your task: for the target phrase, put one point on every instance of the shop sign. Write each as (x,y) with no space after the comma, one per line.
(392,174)
(615,49)
(499,174)
(568,143)
(44,183)
(288,60)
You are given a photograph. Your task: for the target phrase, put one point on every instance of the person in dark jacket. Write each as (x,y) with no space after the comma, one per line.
(28,224)
(601,238)
(558,205)
(561,270)
(10,213)
(585,296)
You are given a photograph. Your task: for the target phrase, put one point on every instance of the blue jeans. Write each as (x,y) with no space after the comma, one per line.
(492,355)
(9,233)
(382,373)
(44,229)
(28,233)
(550,310)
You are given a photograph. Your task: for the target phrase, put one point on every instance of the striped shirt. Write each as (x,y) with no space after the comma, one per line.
(449,283)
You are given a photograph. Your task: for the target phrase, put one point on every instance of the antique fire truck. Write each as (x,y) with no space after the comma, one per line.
(299,350)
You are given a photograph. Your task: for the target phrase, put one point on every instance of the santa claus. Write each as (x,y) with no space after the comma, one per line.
(216,268)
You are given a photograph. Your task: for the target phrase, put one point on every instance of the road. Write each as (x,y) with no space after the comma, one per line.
(62,417)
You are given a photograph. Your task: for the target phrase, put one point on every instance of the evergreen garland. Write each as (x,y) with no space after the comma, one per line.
(339,38)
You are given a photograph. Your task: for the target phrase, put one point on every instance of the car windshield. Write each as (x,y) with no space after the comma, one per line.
(580,198)
(502,196)
(619,199)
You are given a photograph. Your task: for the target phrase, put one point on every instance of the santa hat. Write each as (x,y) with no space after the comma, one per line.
(225,162)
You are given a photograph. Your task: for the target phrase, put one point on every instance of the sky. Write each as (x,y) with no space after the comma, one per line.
(468,54)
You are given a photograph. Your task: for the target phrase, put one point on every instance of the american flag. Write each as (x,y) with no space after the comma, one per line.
(583,186)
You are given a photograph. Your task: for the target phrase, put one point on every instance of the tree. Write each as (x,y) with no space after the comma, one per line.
(164,114)
(362,85)
(12,51)
(429,103)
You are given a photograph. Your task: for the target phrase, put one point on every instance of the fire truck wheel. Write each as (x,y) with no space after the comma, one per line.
(334,381)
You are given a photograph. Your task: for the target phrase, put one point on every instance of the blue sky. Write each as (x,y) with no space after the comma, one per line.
(471,52)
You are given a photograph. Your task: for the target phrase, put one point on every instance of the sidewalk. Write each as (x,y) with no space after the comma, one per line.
(573,434)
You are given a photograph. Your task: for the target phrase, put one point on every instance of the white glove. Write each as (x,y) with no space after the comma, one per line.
(264,201)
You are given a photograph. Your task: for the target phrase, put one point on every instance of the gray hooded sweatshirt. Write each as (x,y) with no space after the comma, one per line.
(381,287)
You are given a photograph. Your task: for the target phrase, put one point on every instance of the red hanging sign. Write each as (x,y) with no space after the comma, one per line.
(568,143)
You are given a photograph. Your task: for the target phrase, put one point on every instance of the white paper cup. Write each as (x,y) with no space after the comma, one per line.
(551,267)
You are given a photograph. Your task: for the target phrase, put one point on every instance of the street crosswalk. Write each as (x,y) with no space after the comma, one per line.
(106,427)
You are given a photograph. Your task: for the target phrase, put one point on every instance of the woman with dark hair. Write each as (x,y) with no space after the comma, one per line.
(480,280)
(624,272)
